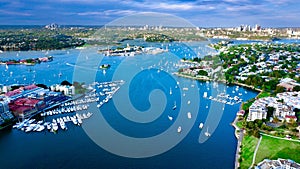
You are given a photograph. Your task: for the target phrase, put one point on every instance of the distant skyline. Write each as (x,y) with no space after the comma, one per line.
(202,13)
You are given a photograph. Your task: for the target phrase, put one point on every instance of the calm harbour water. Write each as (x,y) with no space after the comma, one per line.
(74,149)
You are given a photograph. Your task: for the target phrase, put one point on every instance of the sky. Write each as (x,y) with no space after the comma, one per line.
(202,13)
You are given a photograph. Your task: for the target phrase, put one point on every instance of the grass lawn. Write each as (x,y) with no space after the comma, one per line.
(273,148)
(263,94)
(248,148)
(246,105)
(239,124)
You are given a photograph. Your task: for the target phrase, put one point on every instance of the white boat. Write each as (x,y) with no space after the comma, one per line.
(207,134)
(179,129)
(185,88)
(89,114)
(36,126)
(49,126)
(79,121)
(205,95)
(189,102)
(54,126)
(40,128)
(174,107)
(84,116)
(63,125)
(74,120)
(170,91)
(200,125)
(189,115)
(170,118)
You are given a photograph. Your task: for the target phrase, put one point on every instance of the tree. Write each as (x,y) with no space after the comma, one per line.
(202,73)
(279,89)
(42,86)
(270,112)
(66,83)
(296,88)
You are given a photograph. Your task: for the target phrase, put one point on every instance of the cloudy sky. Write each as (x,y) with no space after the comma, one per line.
(203,13)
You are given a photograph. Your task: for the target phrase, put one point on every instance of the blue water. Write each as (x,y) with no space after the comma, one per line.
(74,148)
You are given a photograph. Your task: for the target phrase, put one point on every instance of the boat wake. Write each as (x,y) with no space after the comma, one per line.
(82,67)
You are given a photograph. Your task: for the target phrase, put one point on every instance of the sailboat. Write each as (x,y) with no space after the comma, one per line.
(170,91)
(207,134)
(174,107)
(170,118)
(59,74)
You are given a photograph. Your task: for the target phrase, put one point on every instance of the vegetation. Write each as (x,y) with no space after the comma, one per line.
(263,94)
(79,88)
(273,148)
(248,147)
(38,39)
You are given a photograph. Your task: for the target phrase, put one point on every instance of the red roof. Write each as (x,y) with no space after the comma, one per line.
(14,92)
(26,102)
(30,87)
(290,117)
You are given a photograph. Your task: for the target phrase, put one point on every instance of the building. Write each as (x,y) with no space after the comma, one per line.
(25,107)
(257,111)
(284,104)
(288,84)
(65,89)
(278,164)
(5,114)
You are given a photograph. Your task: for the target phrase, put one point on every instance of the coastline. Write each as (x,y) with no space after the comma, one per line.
(220,81)
(238,132)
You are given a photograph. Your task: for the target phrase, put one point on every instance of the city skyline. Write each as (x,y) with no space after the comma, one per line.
(207,13)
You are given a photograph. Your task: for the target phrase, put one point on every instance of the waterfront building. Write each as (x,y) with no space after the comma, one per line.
(277,164)
(65,89)
(283,111)
(25,107)
(288,83)
(5,114)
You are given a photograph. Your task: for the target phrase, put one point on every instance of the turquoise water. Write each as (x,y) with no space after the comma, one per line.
(74,148)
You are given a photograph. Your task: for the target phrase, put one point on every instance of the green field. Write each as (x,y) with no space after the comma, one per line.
(264,94)
(239,124)
(248,148)
(273,148)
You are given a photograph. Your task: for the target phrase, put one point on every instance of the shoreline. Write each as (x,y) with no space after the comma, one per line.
(220,81)
(238,132)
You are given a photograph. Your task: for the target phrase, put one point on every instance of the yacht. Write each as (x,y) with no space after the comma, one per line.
(179,129)
(207,134)
(170,91)
(205,95)
(174,107)
(54,126)
(170,118)
(40,128)
(200,125)
(189,115)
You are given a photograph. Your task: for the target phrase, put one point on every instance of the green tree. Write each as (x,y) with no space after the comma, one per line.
(279,89)
(296,88)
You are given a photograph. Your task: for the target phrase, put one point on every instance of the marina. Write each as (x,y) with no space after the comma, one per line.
(70,111)
(225,99)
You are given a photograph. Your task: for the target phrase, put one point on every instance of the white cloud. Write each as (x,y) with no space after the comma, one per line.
(106,12)
(14,13)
